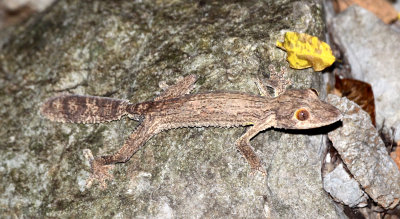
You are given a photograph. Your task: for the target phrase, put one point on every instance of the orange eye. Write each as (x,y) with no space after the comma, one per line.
(302,114)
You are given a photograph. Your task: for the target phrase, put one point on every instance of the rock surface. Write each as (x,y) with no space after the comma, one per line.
(364,153)
(124,50)
(370,48)
(344,189)
(15,11)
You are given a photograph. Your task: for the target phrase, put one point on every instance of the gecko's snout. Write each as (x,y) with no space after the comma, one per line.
(339,115)
(330,114)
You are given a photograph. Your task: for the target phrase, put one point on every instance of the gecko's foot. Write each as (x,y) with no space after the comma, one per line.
(99,171)
(258,169)
(277,80)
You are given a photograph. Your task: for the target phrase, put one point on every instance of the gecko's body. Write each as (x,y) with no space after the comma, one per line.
(293,109)
(219,109)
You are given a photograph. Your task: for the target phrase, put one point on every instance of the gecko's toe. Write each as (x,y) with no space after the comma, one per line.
(258,169)
(99,171)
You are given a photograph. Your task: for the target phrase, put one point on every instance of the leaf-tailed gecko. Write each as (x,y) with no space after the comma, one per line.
(176,108)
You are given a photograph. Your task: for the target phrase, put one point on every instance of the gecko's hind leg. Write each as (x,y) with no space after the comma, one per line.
(183,86)
(100,166)
(243,144)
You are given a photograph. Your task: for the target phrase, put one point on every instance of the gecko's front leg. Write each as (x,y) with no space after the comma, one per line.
(100,166)
(243,143)
(276,81)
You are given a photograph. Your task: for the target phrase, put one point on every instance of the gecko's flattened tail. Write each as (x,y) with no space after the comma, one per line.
(83,109)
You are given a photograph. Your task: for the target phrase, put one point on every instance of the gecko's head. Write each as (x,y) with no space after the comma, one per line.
(302,109)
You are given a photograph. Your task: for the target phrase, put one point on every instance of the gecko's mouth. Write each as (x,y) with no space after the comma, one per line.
(332,123)
(338,117)
(321,129)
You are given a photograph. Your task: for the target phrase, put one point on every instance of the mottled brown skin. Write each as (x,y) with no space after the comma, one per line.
(175,108)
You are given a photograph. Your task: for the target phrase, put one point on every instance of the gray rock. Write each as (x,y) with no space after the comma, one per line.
(396,5)
(370,47)
(364,153)
(344,189)
(125,49)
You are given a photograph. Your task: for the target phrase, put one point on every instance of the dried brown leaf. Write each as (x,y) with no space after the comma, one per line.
(381,8)
(358,91)
(395,155)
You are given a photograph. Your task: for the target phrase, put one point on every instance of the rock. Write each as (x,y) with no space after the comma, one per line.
(15,11)
(364,153)
(344,189)
(124,50)
(370,48)
(37,5)
(396,5)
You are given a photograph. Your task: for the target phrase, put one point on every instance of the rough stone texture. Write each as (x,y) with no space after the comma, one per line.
(364,153)
(124,50)
(37,5)
(13,12)
(370,48)
(344,189)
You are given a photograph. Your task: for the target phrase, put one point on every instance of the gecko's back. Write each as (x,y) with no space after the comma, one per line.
(219,109)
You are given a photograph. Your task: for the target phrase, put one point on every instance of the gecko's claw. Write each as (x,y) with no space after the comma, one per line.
(99,172)
(262,88)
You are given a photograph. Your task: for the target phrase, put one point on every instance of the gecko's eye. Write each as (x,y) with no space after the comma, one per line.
(302,114)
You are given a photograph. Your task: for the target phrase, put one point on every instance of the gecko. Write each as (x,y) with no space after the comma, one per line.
(177,108)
